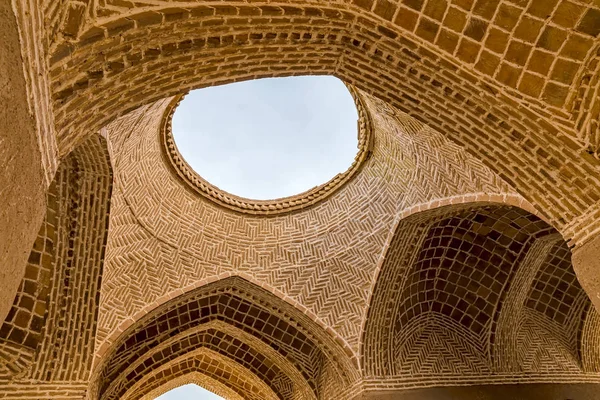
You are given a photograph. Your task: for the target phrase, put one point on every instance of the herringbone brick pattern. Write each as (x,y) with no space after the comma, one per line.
(436,345)
(439,310)
(510,319)
(439,317)
(329,271)
(47,347)
(442,257)
(542,350)
(267,207)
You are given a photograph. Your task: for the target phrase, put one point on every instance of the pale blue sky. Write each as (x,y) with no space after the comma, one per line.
(189,392)
(268,138)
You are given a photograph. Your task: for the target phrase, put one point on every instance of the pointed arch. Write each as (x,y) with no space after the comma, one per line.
(208,369)
(252,323)
(478,198)
(195,378)
(449,273)
(539,327)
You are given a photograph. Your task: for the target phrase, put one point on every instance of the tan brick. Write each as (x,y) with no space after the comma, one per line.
(555,94)
(447,40)
(507,17)
(540,62)
(416,5)
(488,63)
(541,8)
(518,52)
(427,29)
(552,38)
(535,127)
(590,22)
(455,19)
(567,14)
(485,8)
(576,47)
(476,29)
(528,29)
(468,51)
(509,74)
(406,18)
(564,71)
(531,85)
(436,9)
(497,41)
(385,9)
(464,4)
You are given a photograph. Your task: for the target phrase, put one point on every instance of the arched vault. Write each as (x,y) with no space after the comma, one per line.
(285,352)
(475,292)
(480,73)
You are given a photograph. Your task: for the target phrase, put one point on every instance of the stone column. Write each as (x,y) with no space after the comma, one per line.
(22,180)
(586,263)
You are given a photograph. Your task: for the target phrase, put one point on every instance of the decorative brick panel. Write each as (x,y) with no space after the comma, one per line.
(473,293)
(239,321)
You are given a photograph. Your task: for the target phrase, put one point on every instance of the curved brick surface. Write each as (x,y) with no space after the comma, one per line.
(165,237)
(444,258)
(526,139)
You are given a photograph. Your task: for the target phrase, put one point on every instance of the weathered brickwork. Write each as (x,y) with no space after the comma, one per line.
(220,375)
(535,47)
(44,391)
(22,330)
(34,51)
(74,296)
(409,165)
(586,106)
(527,142)
(442,257)
(204,381)
(49,334)
(237,320)
(589,342)
(444,314)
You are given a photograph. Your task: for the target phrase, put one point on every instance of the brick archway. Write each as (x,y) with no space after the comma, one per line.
(469,98)
(160,51)
(54,313)
(194,378)
(241,322)
(474,293)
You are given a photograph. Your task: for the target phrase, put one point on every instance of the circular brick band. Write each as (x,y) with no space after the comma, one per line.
(267,207)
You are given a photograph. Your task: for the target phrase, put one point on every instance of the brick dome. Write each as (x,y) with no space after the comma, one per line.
(457,258)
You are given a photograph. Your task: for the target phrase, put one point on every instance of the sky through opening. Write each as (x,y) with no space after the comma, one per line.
(189,392)
(268,138)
